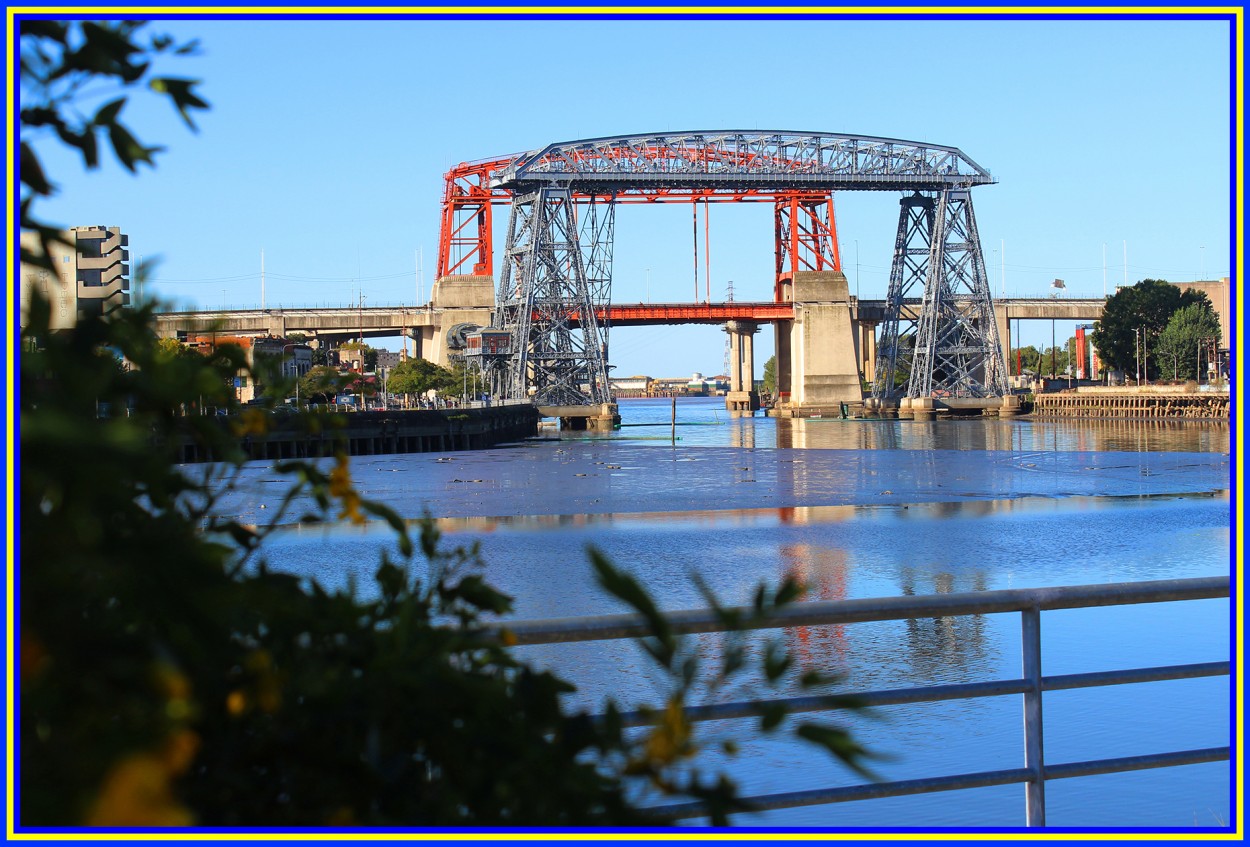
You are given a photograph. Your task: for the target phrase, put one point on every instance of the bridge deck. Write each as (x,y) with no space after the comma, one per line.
(374,321)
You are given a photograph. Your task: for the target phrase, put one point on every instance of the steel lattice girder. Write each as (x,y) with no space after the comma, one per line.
(806,235)
(707,165)
(742,159)
(597,234)
(543,293)
(908,270)
(957,351)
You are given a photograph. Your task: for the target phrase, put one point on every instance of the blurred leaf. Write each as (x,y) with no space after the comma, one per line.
(107,114)
(32,172)
(626,589)
(789,591)
(838,742)
(129,151)
(776,661)
(475,591)
(394,521)
(180,93)
(771,716)
(42,28)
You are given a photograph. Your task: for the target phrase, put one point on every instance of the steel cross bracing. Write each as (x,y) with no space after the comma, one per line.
(907,269)
(952,349)
(807,238)
(556,268)
(545,301)
(597,233)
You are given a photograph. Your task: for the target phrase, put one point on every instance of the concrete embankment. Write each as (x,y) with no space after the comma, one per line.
(374,433)
(1168,402)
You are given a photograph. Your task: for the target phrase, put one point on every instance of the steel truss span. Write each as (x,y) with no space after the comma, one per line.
(737,160)
(558,261)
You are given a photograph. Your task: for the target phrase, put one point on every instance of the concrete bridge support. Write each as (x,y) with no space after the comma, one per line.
(742,400)
(1004,334)
(867,349)
(457,299)
(818,354)
(600,417)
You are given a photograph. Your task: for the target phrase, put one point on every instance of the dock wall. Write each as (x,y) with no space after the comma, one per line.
(377,433)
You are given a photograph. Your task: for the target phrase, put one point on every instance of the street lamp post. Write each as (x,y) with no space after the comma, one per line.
(294,368)
(1137,351)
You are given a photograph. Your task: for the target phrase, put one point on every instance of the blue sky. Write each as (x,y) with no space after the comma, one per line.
(327,143)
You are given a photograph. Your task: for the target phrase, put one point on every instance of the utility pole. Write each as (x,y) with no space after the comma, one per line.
(1053,351)
(1002,267)
(262,279)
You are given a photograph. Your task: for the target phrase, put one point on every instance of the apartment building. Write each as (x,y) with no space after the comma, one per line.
(91,276)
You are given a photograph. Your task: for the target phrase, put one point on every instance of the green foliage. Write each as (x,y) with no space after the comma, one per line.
(460,378)
(62,63)
(320,384)
(1132,320)
(168,349)
(770,375)
(1191,329)
(1028,358)
(170,677)
(417,376)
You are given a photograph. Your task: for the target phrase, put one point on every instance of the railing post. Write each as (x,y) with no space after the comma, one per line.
(1031,651)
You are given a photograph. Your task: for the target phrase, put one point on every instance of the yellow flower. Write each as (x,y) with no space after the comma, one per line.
(180,751)
(341,487)
(669,741)
(342,816)
(251,422)
(136,792)
(236,702)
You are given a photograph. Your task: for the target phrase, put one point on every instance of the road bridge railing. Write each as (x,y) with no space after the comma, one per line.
(1029,603)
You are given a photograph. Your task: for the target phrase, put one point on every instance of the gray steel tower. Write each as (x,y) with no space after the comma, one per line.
(558,354)
(949,346)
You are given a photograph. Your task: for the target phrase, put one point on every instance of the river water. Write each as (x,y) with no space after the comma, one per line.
(864,509)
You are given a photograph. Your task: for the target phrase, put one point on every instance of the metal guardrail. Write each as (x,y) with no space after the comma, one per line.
(1029,602)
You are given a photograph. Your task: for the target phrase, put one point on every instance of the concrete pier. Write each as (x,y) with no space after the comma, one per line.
(742,400)
(603,417)
(818,353)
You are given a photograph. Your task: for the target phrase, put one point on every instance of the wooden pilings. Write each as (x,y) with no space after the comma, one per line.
(1174,406)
